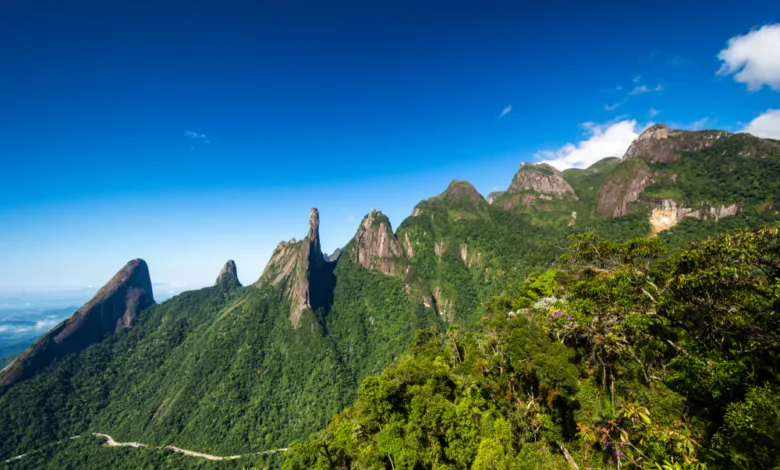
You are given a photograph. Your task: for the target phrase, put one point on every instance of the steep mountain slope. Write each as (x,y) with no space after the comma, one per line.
(231,369)
(112,309)
(301,270)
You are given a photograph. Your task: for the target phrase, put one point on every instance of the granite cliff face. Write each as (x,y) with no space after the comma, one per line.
(623,187)
(659,144)
(229,275)
(375,246)
(666,214)
(113,308)
(301,268)
(533,183)
(543,179)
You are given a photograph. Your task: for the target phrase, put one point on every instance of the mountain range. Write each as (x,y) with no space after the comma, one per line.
(233,369)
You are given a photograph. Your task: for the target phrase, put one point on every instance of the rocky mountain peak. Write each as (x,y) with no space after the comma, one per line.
(302,271)
(375,246)
(543,179)
(659,144)
(113,308)
(657,131)
(228,275)
(314,226)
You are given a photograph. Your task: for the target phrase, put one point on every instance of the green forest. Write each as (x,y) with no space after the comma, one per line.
(624,356)
(539,336)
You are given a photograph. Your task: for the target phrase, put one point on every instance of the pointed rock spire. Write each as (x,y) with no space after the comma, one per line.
(113,308)
(302,271)
(228,275)
(315,250)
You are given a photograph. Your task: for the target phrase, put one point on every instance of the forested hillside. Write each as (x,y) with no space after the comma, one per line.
(537,350)
(619,358)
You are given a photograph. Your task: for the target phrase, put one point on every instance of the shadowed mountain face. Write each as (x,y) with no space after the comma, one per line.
(301,269)
(113,308)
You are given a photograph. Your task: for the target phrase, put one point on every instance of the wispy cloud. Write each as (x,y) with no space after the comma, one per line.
(699,125)
(18,329)
(679,61)
(611,107)
(199,137)
(505,111)
(637,78)
(754,58)
(653,112)
(691,126)
(642,89)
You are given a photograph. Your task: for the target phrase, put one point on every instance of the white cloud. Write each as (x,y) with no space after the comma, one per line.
(611,107)
(766,125)
(196,136)
(641,89)
(654,112)
(506,111)
(754,58)
(637,78)
(698,125)
(604,140)
(38,327)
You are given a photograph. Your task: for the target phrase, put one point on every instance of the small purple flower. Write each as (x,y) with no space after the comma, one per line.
(561,287)
(573,260)
(568,293)
(569,317)
(617,453)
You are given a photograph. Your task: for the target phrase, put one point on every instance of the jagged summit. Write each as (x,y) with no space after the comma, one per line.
(375,245)
(659,144)
(228,275)
(458,189)
(543,179)
(113,308)
(301,268)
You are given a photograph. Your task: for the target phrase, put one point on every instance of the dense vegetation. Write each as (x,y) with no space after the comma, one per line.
(631,352)
(621,358)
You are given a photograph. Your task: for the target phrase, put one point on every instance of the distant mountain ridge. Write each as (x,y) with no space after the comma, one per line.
(231,370)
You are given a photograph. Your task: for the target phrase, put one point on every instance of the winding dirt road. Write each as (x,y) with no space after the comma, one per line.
(112,443)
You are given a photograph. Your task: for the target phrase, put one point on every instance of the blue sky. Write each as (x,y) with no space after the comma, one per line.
(191,133)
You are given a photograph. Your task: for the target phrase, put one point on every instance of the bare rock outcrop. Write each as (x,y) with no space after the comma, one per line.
(666,214)
(622,188)
(470,258)
(408,245)
(659,144)
(301,269)
(113,308)
(493,196)
(543,179)
(228,276)
(375,246)
(445,307)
